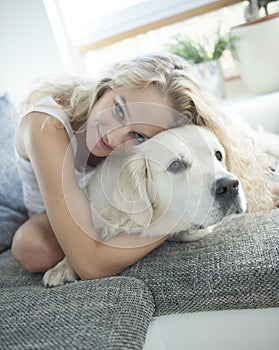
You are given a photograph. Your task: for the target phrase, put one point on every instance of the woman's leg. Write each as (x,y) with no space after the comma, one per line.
(35,246)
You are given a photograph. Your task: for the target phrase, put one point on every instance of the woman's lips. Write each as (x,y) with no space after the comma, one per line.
(103,143)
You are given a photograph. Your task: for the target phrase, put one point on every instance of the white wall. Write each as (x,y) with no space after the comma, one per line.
(28,49)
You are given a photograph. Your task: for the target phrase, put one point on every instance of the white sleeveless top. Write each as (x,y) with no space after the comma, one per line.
(31,193)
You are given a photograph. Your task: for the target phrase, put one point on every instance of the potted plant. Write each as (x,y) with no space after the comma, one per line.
(206,57)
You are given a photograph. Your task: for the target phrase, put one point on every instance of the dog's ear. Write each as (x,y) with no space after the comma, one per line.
(134,190)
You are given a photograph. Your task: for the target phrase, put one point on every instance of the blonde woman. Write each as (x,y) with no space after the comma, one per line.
(71,126)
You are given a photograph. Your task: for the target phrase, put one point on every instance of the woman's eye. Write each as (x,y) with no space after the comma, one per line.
(119,111)
(139,137)
(218,155)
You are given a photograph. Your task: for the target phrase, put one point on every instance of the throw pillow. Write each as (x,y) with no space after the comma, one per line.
(12,211)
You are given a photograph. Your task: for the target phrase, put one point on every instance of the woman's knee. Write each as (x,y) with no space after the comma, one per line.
(34,250)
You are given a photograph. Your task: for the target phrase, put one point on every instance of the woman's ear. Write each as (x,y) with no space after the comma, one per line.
(133,191)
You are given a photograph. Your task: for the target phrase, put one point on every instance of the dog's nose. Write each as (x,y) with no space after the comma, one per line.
(227,185)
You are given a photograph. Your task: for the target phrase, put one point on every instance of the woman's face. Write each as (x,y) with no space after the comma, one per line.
(126,117)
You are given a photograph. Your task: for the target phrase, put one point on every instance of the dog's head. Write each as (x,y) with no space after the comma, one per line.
(177,180)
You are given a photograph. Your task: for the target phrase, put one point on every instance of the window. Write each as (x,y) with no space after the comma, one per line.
(91,34)
(203,27)
(91,24)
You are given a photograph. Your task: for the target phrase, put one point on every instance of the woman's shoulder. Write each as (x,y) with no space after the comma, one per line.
(47,105)
(47,113)
(34,127)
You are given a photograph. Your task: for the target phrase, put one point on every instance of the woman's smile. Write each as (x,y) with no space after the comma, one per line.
(103,142)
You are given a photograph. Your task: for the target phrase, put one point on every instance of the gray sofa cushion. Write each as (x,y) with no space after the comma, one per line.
(237,267)
(12,211)
(112,313)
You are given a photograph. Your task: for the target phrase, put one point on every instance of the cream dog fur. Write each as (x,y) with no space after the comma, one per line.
(176,182)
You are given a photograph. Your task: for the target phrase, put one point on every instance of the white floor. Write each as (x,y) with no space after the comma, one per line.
(220,330)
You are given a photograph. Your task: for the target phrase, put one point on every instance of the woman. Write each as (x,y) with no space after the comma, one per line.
(68,120)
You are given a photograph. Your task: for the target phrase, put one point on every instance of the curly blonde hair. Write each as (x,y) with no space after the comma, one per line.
(175,78)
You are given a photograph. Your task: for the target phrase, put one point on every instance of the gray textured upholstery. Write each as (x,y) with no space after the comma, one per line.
(236,267)
(12,211)
(112,313)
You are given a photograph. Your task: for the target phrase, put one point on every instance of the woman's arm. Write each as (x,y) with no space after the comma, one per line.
(47,146)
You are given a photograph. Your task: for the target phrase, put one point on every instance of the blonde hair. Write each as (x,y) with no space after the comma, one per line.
(174,78)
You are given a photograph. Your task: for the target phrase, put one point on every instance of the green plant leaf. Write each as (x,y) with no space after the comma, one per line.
(196,52)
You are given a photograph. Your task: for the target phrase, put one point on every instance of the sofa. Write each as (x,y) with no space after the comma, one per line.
(182,295)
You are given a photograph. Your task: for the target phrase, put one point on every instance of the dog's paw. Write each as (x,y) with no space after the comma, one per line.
(60,274)
(193,235)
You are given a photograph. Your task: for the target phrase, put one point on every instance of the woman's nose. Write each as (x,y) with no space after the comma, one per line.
(118,136)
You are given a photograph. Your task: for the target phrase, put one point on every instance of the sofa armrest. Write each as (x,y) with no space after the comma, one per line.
(258,111)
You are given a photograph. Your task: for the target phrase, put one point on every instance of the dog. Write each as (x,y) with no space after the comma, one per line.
(176,183)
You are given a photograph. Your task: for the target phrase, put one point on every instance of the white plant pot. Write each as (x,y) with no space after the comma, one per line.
(258,54)
(212,77)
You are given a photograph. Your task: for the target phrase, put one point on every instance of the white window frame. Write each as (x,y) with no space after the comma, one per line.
(136,19)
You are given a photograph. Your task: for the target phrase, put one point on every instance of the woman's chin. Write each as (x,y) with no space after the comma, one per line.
(98,151)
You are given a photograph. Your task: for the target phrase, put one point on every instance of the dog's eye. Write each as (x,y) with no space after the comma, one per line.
(219,155)
(176,166)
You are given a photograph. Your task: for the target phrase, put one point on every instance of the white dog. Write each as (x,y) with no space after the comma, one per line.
(175,183)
